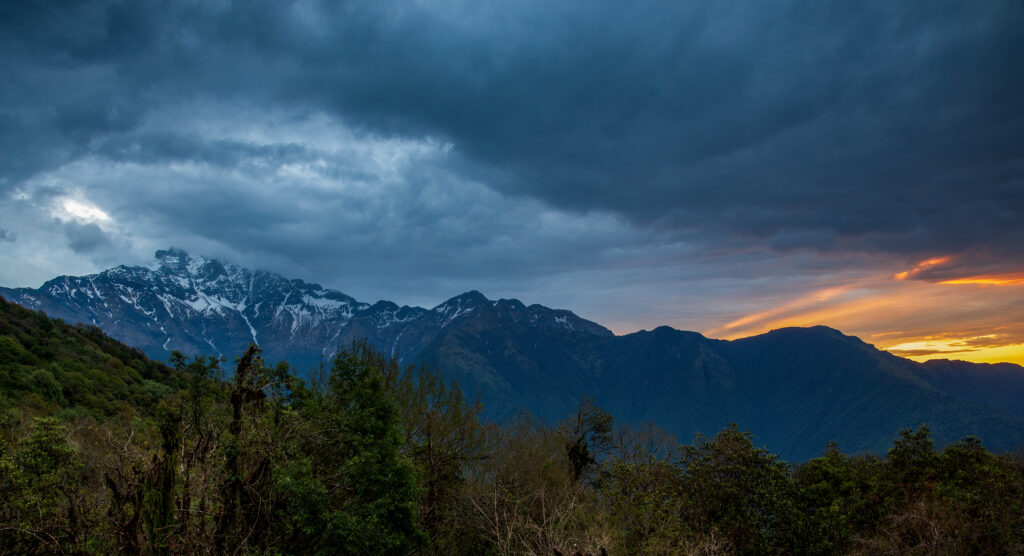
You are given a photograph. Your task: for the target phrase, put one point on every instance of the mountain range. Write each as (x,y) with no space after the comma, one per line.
(795,389)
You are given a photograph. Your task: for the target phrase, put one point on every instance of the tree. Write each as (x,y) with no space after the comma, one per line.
(525,498)
(741,492)
(642,488)
(443,437)
(587,434)
(912,462)
(838,497)
(356,495)
(40,510)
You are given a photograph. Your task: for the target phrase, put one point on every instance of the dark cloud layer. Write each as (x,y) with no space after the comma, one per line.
(823,125)
(85,238)
(839,128)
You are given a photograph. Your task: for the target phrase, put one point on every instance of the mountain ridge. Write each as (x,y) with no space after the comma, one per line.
(195,305)
(794,388)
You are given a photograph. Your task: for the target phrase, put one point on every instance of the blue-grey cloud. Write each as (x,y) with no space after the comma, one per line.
(85,238)
(708,129)
(824,126)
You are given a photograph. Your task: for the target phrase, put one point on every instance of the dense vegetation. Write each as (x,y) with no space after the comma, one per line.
(51,368)
(103,451)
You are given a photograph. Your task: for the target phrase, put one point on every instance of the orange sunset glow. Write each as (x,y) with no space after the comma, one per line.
(1015,279)
(912,318)
(921,267)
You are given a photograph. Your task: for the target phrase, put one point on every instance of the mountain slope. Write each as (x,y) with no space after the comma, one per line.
(1000,385)
(795,389)
(49,366)
(815,381)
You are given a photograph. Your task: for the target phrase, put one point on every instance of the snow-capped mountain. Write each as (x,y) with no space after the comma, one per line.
(795,389)
(198,305)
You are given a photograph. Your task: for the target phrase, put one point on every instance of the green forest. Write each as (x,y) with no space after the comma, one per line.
(104,451)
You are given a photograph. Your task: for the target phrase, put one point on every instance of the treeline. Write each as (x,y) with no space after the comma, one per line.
(109,452)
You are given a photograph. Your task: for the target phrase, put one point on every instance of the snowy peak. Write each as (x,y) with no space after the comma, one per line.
(468,300)
(195,304)
(459,306)
(537,316)
(385,314)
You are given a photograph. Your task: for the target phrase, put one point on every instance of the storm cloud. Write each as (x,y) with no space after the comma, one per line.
(415,148)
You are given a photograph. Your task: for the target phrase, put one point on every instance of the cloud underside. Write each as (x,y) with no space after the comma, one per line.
(417,148)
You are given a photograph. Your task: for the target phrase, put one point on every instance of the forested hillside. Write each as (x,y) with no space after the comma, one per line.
(50,367)
(104,451)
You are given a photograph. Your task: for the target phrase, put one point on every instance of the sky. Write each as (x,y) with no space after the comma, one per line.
(722,166)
